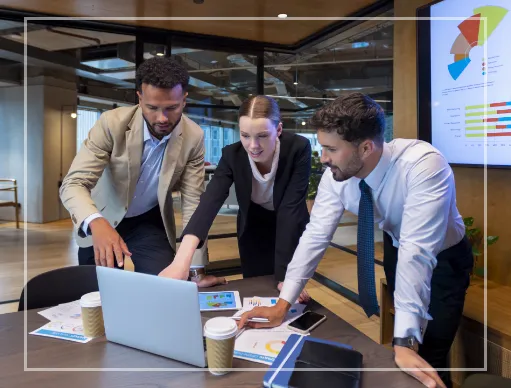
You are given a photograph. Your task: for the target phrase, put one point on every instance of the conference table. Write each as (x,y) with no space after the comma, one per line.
(58,363)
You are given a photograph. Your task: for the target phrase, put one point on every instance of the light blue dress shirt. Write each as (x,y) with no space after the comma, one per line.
(146,191)
(414,201)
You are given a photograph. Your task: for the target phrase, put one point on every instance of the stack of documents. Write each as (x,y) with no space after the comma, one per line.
(263,345)
(65,323)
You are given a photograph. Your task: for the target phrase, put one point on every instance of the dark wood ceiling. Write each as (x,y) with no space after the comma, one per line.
(272,31)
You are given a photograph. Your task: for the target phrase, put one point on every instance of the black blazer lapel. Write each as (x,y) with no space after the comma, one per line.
(244,179)
(280,182)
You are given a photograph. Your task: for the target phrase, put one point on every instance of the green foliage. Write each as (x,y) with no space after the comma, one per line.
(476,236)
(315,176)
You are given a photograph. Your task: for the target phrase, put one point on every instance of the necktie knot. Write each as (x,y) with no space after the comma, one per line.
(363,185)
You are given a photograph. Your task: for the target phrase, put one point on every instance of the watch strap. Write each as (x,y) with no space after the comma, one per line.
(407,342)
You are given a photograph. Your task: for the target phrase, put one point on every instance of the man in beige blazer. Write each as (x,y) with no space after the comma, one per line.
(119,187)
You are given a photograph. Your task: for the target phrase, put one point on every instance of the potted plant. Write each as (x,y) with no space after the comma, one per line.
(314,179)
(475,236)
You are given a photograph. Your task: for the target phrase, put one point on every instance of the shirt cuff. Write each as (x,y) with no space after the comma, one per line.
(290,291)
(87,221)
(407,324)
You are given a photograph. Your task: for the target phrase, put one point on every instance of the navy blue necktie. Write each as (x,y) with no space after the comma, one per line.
(365,252)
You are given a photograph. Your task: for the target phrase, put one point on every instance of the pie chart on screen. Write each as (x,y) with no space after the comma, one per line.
(472,34)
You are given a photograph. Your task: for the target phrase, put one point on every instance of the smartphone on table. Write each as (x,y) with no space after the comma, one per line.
(306,322)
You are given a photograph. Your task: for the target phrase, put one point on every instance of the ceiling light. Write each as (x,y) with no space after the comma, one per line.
(160,54)
(303,123)
(73,115)
(295,83)
(282,15)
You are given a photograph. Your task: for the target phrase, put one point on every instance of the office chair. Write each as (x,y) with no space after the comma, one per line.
(58,286)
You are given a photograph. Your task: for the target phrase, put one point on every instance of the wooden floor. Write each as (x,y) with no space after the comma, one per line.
(52,245)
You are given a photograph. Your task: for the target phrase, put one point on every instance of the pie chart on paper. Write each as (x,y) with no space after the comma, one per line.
(275,346)
(472,33)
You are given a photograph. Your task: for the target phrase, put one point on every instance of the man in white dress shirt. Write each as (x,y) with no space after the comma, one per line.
(410,189)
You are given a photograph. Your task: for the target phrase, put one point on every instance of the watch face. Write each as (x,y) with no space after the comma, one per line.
(413,344)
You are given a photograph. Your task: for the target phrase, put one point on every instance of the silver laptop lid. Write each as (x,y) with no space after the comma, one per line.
(151,313)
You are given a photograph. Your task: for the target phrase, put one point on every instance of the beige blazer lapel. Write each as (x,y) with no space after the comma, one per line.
(135,148)
(168,165)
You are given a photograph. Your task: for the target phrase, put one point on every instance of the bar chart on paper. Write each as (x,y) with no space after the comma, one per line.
(491,121)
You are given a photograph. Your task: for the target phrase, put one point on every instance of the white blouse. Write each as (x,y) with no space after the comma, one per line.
(262,185)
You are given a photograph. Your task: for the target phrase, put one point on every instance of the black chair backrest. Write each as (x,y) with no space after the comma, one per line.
(58,286)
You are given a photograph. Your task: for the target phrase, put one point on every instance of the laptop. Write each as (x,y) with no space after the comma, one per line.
(153,314)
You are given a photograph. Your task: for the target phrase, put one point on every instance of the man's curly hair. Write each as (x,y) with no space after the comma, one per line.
(355,117)
(162,72)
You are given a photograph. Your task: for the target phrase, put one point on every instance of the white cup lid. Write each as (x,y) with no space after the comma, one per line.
(91,299)
(220,328)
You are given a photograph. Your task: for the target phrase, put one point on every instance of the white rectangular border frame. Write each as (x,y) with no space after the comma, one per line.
(40,19)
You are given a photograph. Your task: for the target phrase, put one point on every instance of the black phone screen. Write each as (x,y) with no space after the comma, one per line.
(306,321)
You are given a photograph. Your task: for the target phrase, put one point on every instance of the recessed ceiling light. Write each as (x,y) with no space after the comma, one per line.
(160,54)
(303,123)
(282,15)
(73,115)
(295,83)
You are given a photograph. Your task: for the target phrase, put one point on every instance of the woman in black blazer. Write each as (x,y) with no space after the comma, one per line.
(270,170)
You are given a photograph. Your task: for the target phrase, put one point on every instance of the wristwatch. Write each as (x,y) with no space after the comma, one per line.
(196,274)
(407,342)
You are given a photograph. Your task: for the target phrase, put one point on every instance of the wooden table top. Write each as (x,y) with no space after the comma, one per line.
(52,354)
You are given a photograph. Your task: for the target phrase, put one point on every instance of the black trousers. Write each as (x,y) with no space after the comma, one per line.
(449,283)
(146,240)
(257,244)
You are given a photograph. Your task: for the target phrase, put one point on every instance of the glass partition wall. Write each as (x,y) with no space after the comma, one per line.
(222,74)
(356,60)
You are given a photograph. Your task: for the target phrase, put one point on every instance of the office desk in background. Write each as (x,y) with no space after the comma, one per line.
(99,353)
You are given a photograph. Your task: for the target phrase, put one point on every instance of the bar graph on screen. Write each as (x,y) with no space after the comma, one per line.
(491,121)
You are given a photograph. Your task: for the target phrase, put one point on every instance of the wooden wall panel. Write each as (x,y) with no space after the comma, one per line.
(469,181)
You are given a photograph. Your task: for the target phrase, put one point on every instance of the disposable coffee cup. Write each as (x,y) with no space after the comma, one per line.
(220,333)
(92,315)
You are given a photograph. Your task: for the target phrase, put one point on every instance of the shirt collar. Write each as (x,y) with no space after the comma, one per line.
(274,165)
(148,136)
(375,178)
